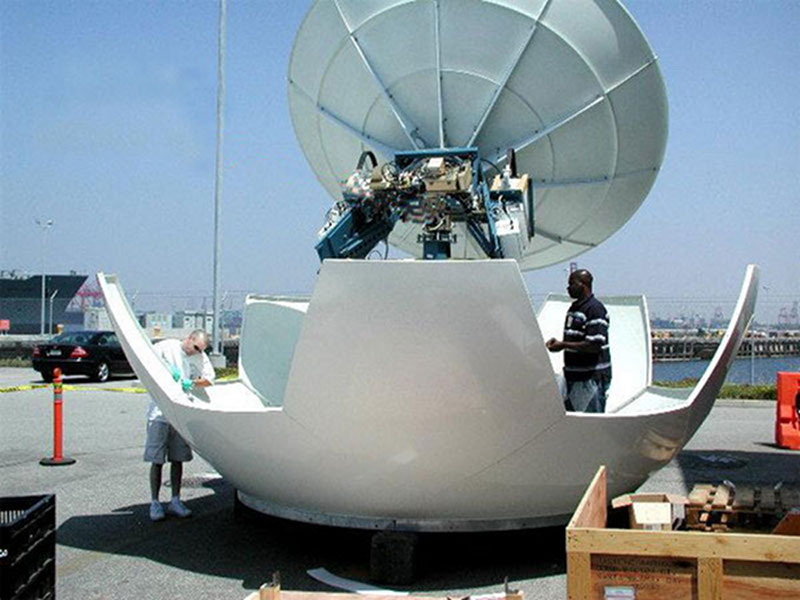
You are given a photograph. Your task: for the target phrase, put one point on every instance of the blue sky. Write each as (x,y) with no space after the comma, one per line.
(107,125)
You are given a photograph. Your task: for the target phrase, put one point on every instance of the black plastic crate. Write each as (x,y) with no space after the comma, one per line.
(28,547)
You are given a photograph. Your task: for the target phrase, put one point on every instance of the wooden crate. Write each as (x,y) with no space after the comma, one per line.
(674,565)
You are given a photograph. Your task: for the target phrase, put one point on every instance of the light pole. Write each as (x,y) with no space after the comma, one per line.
(45,226)
(52,297)
(217,335)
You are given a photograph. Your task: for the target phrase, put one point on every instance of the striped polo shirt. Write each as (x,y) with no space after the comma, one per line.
(587,320)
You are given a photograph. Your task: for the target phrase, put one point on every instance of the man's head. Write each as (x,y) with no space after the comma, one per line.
(196,342)
(579,285)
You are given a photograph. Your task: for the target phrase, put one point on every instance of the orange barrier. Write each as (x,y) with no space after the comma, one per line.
(787,423)
(58,458)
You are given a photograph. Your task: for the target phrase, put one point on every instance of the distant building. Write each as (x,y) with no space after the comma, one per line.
(159,325)
(21,300)
(95,318)
(194,319)
(155,319)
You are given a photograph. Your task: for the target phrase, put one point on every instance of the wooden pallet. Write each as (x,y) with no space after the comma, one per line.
(674,565)
(724,508)
(268,593)
(273,591)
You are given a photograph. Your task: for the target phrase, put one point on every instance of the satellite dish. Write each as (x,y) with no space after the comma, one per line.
(571,85)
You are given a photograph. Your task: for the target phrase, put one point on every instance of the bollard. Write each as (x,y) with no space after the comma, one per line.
(58,459)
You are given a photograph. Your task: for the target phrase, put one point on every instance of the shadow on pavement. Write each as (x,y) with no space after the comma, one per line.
(219,541)
(739,467)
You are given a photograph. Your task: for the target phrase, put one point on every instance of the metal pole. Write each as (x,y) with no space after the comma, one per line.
(44,278)
(53,295)
(44,226)
(217,335)
(752,351)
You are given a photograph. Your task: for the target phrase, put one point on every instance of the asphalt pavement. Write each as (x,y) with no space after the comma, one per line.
(107,546)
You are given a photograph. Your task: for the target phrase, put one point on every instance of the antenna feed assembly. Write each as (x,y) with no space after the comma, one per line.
(445,192)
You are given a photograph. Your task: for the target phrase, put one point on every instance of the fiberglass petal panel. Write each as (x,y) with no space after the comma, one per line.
(381,124)
(642,126)
(404,60)
(622,200)
(358,12)
(510,119)
(480,38)
(463,97)
(586,146)
(538,161)
(604,33)
(348,101)
(567,207)
(416,94)
(629,346)
(306,128)
(341,149)
(322,29)
(553,77)
(551,255)
(530,8)
(395,52)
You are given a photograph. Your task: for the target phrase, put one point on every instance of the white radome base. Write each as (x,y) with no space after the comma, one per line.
(419,396)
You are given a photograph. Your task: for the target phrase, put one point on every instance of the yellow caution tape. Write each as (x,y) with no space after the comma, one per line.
(22,388)
(76,388)
(80,388)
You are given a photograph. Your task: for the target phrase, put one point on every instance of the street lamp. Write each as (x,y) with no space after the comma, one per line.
(45,226)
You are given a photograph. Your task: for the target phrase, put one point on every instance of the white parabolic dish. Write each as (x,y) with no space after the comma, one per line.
(571,85)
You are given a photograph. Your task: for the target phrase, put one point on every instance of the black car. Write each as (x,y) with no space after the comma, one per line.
(96,354)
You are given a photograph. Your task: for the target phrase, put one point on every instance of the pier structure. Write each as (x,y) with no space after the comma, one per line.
(664,348)
(698,347)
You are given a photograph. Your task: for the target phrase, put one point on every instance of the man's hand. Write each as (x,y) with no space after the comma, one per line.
(554,345)
(200,382)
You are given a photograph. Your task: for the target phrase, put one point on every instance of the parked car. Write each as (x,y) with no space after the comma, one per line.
(96,354)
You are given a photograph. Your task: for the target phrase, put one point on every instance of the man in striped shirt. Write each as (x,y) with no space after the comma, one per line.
(587,362)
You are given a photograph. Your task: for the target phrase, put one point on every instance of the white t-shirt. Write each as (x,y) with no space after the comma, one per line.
(191,367)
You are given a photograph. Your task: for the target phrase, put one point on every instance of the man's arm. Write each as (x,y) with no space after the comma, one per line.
(207,376)
(586,346)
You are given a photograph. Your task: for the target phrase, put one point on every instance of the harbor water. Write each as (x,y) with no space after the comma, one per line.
(763,369)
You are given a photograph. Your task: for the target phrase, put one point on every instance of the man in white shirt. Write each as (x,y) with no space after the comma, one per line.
(190,366)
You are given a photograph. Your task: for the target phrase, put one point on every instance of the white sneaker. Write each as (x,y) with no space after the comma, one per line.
(156,511)
(178,508)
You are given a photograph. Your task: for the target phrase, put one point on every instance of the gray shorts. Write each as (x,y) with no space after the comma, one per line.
(164,443)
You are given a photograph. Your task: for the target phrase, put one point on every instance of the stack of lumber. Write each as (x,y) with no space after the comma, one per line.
(729,507)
